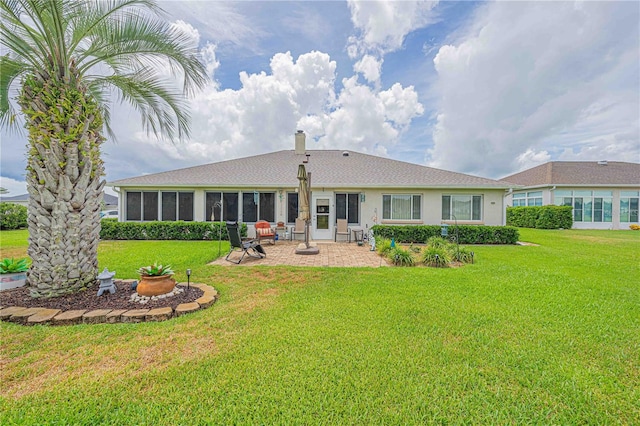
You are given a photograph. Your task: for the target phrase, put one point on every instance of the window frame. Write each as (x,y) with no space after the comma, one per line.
(412,207)
(351,199)
(476,202)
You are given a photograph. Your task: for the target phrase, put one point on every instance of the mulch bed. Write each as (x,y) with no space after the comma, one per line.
(88,299)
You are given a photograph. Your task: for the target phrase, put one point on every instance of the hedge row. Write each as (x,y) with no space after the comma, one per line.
(12,216)
(114,230)
(468,234)
(540,217)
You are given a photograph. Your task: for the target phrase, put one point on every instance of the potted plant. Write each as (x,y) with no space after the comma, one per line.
(155,280)
(13,273)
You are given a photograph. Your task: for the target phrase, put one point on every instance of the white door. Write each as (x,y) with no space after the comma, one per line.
(322,215)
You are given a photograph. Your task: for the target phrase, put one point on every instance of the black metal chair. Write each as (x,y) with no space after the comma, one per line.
(250,247)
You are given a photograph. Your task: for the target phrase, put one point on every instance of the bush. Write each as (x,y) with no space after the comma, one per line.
(540,217)
(437,257)
(383,246)
(469,234)
(401,257)
(113,230)
(463,255)
(12,216)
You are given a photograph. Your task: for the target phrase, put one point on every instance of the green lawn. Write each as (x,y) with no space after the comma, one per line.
(546,334)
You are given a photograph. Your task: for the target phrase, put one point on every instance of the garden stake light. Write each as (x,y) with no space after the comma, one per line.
(188,278)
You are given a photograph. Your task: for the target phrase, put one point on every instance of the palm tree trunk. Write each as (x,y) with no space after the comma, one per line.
(64,181)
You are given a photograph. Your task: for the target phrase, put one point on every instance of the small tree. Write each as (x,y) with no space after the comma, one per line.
(68,57)
(12,216)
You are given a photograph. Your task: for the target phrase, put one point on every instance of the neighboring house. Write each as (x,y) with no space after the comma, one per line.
(22,199)
(110,201)
(364,189)
(603,194)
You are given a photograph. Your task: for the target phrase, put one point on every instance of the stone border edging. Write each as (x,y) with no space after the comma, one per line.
(45,316)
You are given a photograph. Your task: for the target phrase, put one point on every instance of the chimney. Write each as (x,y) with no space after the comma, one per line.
(300,142)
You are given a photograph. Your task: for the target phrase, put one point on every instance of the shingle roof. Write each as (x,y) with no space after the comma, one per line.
(328,168)
(579,173)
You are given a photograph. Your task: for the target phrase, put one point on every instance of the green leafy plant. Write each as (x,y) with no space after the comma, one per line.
(401,257)
(463,255)
(12,266)
(155,270)
(437,257)
(437,242)
(383,246)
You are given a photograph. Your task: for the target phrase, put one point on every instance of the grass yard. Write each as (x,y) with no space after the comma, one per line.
(546,334)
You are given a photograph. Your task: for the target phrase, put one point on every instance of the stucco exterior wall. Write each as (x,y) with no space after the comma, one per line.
(371,204)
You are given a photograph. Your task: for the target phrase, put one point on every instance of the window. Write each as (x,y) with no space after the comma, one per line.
(401,207)
(134,205)
(173,205)
(177,205)
(258,206)
(169,206)
(588,206)
(348,207)
(292,207)
(629,201)
(142,206)
(185,206)
(216,210)
(527,199)
(462,207)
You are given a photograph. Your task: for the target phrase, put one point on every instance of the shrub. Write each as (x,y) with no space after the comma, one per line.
(437,242)
(179,230)
(383,246)
(464,255)
(540,217)
(635,227)
(401,257)
(437,257)
(12,216)
(469,234)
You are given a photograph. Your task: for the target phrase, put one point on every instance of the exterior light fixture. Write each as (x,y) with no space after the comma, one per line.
(188,278)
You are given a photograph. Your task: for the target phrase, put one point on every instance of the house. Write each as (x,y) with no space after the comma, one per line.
(110,202)
(22,199)
(603,194)
(362,188)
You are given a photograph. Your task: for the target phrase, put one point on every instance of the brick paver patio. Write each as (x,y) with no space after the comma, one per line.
(331,254)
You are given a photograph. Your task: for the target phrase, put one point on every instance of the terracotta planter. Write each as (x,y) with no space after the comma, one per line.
(154,286)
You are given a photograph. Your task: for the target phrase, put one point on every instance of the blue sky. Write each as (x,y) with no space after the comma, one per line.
(485,88)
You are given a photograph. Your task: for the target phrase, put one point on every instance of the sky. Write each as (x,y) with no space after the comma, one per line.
(483,88)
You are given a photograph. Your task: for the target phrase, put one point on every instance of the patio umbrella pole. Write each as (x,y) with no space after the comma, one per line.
(306,234)
(304,207)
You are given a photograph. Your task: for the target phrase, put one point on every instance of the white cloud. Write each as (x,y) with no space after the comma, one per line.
(530,158)
(529,78)
(370,68)
(263,115)
(383,25)
(13,186)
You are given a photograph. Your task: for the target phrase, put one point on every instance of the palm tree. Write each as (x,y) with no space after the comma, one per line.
(66,57)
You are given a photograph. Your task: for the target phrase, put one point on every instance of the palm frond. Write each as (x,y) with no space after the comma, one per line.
(9,71)
(163,111)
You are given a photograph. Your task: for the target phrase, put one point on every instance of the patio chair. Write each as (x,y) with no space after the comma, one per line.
(264,231)
(342,229)
(250,247)
(298,229)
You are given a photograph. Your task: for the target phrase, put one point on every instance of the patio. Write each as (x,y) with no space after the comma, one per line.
(331,255)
